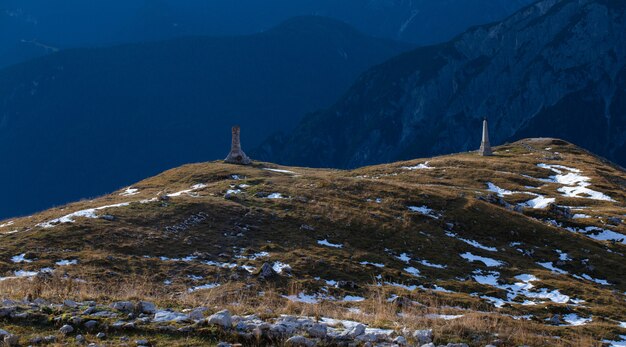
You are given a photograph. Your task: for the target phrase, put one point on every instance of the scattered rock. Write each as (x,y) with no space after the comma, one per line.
(266,271)
(11,340)
(3,333)
(66,329)
(123,306)
(146,307)
(400,341)
(142,343)
(317,330)
(36,340)
(80,339)
(299,341)
(101,335)
(221,318)
(353,331)
(108,217)
(90,325)
(555,320)
(50,339)
(423,336)
(70,303)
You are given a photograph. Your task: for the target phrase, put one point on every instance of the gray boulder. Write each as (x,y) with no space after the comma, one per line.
(123,306)
(66,329)
(400,341)
(221,318)
(90,325)
(317,330)
(3,333)
(11,340)
(423,336)
(147,307)
(299,341)
(353,331)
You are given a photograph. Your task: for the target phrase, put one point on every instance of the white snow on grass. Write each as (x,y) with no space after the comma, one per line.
(487,261)
(379,265)
(280,171)
(88,213)
(404,257)
(563,256)
(478,245)
(21,258)
(522,288)
(7,224)
(352,298)
(20,274)
(424,210)
(303,298)
(595,280)
(501,192)
(443,316)
(189,192)
(66,262)
(573,319)
(599,234)
(276,196)
(204,286)
(413,271)
(130,192)
(540,202)
(575,184)
(550,266)
(325,242)
(621,343)
(429,264)
(581,216)
(279,267)
(423,166)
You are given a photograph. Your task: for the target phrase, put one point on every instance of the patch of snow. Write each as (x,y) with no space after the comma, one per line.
(575,184)
(67,262)
(325,242)
(279,267)
(280,171)
(563,256)
(424,211)
(413,271)
(621,343)
(600,234)
(188,191)
(540,202)
(130,192)
(379,265)
(581,216)
(423,166)
(404,257)
(487,261)
(478,245)
(598,281)
(7,224)
(88,213)
(351,298)
(574,320)
(204,286)
(443,316)
(275,196)
(550,266)
(429,264)
(21,258)
(501,192)
(303,298)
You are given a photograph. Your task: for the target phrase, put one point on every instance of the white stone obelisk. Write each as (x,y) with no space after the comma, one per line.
(236,155)
(485,146)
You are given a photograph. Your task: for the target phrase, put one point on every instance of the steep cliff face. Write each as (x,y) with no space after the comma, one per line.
(556,68)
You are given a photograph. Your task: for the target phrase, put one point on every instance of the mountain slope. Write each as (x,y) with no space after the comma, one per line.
(27,26)
(95,119)
(535,232)
(557,68)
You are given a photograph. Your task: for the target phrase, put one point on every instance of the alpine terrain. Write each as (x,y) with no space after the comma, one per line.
(555,68)
(525,247)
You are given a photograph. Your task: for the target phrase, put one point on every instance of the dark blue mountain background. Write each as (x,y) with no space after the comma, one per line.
(82,122)
(31,28)
(554,69)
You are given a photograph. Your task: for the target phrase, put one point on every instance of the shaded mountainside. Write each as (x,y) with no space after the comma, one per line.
(32,28)
(83,122)
(556,68)
(532,238)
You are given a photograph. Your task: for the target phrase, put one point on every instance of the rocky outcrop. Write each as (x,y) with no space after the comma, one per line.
(556,68)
